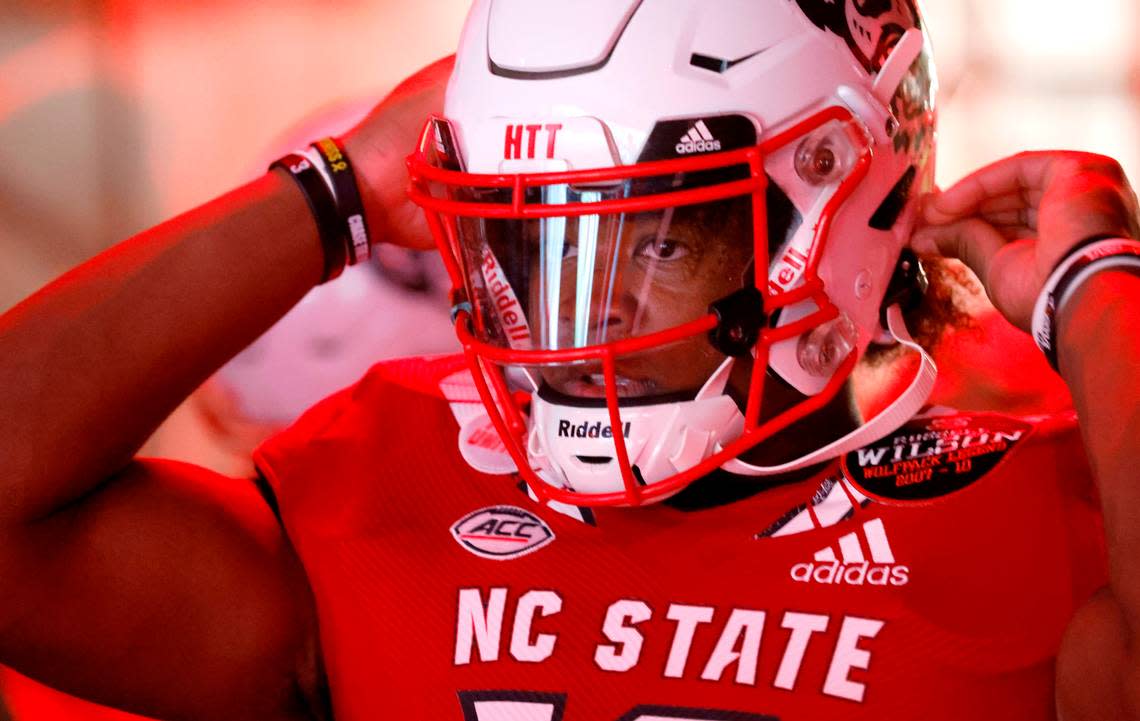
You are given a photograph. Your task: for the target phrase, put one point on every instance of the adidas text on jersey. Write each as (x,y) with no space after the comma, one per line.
(851,566)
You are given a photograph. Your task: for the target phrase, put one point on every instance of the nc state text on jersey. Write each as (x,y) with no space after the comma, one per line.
(629,626)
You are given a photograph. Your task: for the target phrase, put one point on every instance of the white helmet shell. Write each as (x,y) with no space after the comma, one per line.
(558,87)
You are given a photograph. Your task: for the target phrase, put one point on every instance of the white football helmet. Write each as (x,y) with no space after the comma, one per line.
(607,178)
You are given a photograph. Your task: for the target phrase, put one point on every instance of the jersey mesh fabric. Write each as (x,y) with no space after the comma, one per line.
(661,613)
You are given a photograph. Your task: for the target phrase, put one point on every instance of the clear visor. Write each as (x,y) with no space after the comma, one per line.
(566,282)
(544,272)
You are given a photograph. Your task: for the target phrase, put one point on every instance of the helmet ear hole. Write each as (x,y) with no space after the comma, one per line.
(908,285)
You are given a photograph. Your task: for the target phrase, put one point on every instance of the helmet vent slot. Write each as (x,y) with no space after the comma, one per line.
(888,213)
(718,65)
(595,460)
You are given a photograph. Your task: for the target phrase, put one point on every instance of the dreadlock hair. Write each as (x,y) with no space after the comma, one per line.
(945,306)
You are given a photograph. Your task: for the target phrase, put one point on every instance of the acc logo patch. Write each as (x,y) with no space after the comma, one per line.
(929,458)
(501,533)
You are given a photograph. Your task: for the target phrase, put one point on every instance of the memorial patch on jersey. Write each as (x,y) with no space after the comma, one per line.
(933,457)
(501,533)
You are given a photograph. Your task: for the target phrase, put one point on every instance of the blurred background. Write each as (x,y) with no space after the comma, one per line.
(117,114)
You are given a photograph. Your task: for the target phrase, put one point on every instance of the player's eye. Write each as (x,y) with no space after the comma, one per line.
(662,249)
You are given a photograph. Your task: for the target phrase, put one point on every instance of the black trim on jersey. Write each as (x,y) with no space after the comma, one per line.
(265,490)
(782,521)
(587,514)
(824,491)
(588,517)
(468,699)
(721,488)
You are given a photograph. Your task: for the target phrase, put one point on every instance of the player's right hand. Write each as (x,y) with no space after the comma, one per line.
(1013,221)
(378,147)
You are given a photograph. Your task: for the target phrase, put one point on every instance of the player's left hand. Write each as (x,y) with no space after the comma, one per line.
(378,146)
(1012,222)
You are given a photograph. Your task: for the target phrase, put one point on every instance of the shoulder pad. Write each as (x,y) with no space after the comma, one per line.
(422,375)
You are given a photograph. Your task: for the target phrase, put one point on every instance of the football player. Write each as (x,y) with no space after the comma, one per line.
(643,491)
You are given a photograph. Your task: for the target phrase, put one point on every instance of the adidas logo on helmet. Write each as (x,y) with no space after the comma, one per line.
(698,140)
(851,567)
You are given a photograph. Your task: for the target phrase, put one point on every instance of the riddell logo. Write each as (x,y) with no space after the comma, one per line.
(852,568)
(698,140)
(590,430)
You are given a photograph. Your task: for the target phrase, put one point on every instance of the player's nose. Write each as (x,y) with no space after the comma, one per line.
(608,316)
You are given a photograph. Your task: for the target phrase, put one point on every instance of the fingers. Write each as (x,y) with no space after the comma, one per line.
(1012,201)
(1024,176)
(1014,215)
(1012,284)
(1013,221)
(429,78)
(1024,217)
(1003,263)
(1025,181)
(1060,198)
(973,241)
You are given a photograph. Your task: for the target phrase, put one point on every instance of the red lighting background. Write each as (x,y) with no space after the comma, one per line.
(117,114)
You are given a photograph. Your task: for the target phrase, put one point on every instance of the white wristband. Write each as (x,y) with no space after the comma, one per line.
(1072,272)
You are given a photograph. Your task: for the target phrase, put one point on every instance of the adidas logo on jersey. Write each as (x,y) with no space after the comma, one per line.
(851,567)
(698,140)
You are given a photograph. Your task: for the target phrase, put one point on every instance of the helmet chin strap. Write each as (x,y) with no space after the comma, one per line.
(901,410)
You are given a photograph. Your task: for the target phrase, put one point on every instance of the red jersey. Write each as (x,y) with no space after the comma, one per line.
(445,593)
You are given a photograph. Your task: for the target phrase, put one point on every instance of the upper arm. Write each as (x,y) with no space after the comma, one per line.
(1097,676)
(170,591)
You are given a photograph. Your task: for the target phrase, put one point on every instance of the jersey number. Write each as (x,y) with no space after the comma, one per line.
(536,706)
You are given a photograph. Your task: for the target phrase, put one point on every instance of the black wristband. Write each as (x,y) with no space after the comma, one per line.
(1089,256)
(348,201)
(323,206)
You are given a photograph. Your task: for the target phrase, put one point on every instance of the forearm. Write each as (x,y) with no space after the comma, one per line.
(90,365)
(1099,355)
